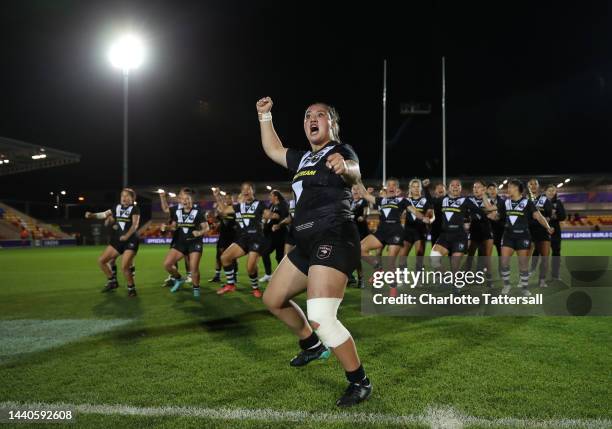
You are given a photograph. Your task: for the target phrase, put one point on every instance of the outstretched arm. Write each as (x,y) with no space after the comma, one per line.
(363,193)
(269,139)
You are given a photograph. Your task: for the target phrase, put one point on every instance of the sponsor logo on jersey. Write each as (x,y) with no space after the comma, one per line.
(324,251)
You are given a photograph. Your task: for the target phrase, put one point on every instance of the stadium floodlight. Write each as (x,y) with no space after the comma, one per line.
(567,180)
(127,53)
(39,156)
(213,189)
(160,191)
(268,187)
(223,193)
(500,186)
(51,193)
(171,194)
(559,185)
(55,206)
(81,198)
(63,192)
(505,181)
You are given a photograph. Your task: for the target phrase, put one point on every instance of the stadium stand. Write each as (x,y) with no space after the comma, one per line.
(17,225)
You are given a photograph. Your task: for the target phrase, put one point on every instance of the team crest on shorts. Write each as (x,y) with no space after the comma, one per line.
(324,251)
(131,245)
(198,247)
(526,243)
(461,246)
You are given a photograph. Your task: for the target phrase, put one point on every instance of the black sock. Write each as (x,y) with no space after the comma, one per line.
(230,275)
(310,342)
(177,277)
(254,281)
(217,274)
(132,286)
(357,376)
(196,286)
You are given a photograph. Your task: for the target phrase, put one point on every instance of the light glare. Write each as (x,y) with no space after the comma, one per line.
(127,53)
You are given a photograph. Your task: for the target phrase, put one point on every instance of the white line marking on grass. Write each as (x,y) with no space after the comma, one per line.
(434,417)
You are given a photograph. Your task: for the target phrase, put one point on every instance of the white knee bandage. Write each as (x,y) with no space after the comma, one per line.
(436,259)
(323,311)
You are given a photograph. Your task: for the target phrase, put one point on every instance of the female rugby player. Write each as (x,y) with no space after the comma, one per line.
(420,215)
(327,243)
(390,231)
(227,235)
(518,213)
(250,239)
(167,209)
(455,210)
(557,216)
(275,232)
(124,239)
(540,237)
(189,225)
(481,231)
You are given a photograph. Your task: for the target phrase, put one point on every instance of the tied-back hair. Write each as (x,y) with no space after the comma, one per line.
(335,120)
(415,180)
(518,184)
(278,195)
(249,184)
(131,192)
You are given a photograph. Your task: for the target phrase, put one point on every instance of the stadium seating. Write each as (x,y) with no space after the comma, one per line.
(13,222)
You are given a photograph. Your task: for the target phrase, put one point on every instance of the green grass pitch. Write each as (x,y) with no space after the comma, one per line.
(62,341)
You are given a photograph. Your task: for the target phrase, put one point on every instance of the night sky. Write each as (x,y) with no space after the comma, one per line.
(528,86)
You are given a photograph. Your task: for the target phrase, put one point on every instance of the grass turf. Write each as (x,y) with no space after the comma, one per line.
(230,352)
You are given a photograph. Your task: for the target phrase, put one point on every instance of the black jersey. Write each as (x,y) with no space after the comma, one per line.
(480,224)
(422,205)
(323,198)
(455,212)
(227,224)
(517,216)
(248,217)
(358,207)
(187,222)
(558,210)
(544,206)
(123,219)
(282,209)
(391,209)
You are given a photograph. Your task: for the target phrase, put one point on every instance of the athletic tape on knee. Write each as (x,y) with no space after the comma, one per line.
(436,259)
(323,311)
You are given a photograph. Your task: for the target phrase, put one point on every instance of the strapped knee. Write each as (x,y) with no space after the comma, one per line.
(436,259)
(323,312)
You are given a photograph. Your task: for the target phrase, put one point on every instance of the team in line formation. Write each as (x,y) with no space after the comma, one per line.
(321,234)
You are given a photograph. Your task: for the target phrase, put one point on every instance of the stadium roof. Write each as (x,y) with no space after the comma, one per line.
(17,157)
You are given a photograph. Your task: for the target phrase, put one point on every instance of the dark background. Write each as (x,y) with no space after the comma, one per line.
(527,86)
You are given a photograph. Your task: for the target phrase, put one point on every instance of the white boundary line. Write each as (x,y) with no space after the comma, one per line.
(434,417)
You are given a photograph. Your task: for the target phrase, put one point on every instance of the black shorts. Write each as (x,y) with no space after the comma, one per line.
(290,237)
(337,247)
(413,234)
(122,246)
(252,243)
(516,242)
(538,233)
(225,241)
(480,235)
(454,242)
(187,247)
(390,234)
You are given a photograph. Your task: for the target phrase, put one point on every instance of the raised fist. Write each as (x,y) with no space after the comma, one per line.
(264,105)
